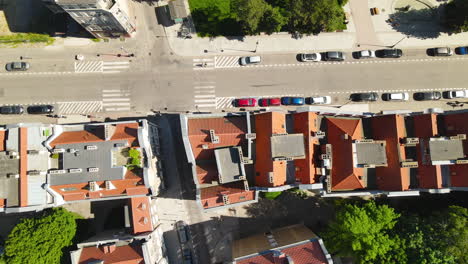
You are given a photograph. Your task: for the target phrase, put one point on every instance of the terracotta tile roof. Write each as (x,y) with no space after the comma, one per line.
(127,254)
(2,140)
(306,123)
(429,176)
(267,124)
(2,202)
(23,180)
(212,196)
(141,214)
(457,124)
(207,172)
(306,253)
(131,185)
(344,176)
(391,128)
(128,131)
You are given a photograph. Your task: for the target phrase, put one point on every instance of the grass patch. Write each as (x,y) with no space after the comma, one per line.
(26,38)
(214,18)
(96,40)
(271,195)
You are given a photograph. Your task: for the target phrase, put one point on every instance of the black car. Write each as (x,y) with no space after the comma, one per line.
(364,97)
(427,96)
(389,53)
(334,56)
(11,110)
(40,109)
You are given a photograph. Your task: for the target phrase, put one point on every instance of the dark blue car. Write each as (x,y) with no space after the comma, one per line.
(292,100)
(462,50)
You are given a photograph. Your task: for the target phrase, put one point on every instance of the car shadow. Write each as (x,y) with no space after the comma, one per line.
(355,55)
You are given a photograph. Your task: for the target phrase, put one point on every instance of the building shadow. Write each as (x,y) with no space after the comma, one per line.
(421,24)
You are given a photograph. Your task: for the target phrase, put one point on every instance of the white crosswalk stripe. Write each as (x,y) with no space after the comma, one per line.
(116,100)
(203,64)
(224,102)
(115,66)
(79,107)
(227,61)
(101,66)
(204,95)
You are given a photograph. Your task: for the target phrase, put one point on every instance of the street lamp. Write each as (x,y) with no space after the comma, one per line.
(256,46)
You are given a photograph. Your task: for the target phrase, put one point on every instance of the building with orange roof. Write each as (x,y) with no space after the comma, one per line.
(49,165)
(142,242)
(290,244)
(338,154)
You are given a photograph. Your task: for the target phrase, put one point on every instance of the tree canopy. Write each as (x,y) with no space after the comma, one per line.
(376,234)
(361,232)
(456,13)
(41,239)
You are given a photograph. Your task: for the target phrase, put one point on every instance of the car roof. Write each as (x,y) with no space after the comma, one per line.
(254,58)
(443,50)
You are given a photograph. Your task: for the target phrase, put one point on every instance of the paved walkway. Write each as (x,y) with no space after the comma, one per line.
(366,36)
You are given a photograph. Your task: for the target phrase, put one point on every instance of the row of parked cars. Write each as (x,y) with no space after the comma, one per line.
(418,96)
(287,100)
(362,54)
(355,97)
(33,109)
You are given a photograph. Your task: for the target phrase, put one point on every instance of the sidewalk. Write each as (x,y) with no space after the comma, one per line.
(364,31)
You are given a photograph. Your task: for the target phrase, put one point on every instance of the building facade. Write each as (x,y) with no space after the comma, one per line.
(101,18)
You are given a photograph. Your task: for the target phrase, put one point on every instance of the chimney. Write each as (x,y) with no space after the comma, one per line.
(108,248)
(279,257)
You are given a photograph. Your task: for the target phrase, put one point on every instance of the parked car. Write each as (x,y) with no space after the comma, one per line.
(310,57)
(17,66)
(427,96)
(462,50)
(318,100)
(182,231)
(269,102)
(363,97)
(292,100)
(11,110)
(455,94)
(249,60)
(395,96)
(40,109)
(389,53)
(365,54)
(442,51)
(187,255)
(246,102)
(334,56)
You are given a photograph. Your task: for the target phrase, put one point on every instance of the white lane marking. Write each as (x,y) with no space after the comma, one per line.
(205,96)
(115,99)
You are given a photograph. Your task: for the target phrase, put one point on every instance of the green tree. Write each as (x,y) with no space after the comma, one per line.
(273,20)
(250,13)
(362,232)
(41,239)
(315,16)
(456,15)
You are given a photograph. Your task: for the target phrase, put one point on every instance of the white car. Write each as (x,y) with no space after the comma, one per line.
(310,57)
(395,96)
(318,100)
(249,60)
(365,54)
(455,94)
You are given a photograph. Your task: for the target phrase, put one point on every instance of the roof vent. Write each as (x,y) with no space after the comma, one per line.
(411,141)
(12,176)
(270,177)
(93,186)
(204,146)
(320,134)
(214,137)
(57,171)
(461,161)
(93,169)
(250,136)
(77,170)
(91,147)
(225,199)
(34,172)
(459,136)
(409,164)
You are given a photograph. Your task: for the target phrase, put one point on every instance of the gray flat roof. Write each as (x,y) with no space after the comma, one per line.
(371,153)
(289,146)
(100,158)
(446,149)
(230,167)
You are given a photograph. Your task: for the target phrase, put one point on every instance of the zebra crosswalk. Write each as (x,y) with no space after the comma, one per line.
(101,66)
(226,61)
(204,95)
(116,100)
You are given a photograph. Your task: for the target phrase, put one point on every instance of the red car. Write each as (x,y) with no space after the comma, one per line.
(246,102)
(269,102)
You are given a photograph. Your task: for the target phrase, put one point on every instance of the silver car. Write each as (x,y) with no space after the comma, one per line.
(17,66)
(249,60)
